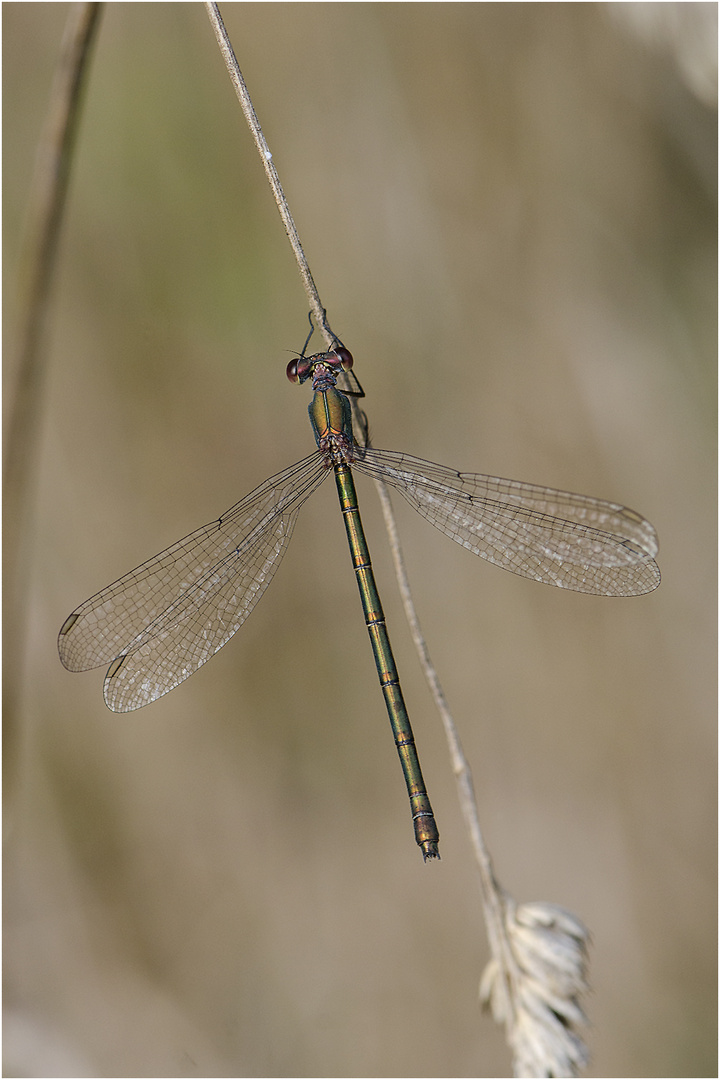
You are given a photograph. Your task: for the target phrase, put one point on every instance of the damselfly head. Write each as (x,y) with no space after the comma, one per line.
(302,367)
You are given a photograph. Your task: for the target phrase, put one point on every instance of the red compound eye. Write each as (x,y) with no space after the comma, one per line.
(345,357)
(298,369)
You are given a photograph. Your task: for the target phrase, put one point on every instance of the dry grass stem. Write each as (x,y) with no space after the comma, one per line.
(538,951)
(46,204)
(270,171)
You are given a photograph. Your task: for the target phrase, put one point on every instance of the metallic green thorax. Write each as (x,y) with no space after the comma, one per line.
(330,415)
(331,418)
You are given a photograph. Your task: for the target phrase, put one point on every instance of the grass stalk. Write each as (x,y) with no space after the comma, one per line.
(539,951)
(46,204)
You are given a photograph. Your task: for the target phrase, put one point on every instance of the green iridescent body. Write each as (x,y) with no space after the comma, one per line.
(331,419)
(163,620)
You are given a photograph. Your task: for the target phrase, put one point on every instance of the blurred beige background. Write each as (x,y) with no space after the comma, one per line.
(509,210)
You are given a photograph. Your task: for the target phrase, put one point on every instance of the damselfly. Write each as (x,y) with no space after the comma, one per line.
(158,624)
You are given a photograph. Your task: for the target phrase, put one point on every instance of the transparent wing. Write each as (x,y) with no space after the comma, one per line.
(572,541)
(158,624)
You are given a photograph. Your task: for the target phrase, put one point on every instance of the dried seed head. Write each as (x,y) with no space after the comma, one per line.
(540,989)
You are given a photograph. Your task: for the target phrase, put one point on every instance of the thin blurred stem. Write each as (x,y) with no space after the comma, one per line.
(492,893)
(44,218)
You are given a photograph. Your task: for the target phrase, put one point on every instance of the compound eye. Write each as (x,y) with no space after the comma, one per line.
(345,357)
(298,369)
(291,371)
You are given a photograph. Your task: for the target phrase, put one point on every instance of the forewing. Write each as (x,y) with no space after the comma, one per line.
(572,541)
(164,619)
